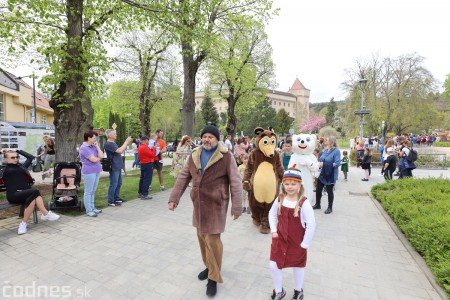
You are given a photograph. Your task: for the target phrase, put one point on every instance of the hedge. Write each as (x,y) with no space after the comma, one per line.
(421,209)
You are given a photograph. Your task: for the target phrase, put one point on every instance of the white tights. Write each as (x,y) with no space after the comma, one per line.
(277,277)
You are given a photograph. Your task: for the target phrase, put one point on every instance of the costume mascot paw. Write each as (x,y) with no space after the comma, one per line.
(302,158)
(262,177)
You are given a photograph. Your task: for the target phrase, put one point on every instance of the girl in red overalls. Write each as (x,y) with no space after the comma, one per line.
(292,224)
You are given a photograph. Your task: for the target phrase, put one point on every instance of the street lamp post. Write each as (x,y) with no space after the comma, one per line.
(128,125)
(34,96)
(363,111)
(362,84)
(382,129)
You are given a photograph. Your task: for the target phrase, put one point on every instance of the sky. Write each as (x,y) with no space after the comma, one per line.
(316,40)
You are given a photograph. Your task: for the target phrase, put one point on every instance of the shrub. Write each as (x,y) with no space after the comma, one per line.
(441,144)
(421,209)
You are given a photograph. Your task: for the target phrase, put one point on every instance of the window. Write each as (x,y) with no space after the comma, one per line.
(2,108)
(289,105)
(44,119)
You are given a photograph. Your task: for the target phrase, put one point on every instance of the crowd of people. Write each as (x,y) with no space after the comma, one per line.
(212,163)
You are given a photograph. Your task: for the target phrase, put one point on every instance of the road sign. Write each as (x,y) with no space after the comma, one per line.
(362,112)
(114,126)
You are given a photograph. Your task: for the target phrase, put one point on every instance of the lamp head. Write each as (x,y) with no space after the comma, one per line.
(362,83)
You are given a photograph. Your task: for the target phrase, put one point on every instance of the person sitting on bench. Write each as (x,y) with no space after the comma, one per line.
(17,181)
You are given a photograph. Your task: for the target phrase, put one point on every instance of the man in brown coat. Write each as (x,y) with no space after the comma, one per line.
(214,175)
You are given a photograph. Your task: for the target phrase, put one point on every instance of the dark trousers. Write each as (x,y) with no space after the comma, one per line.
(146,178)
(330,193)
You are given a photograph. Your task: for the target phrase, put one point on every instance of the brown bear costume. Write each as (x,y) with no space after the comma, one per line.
(262,177)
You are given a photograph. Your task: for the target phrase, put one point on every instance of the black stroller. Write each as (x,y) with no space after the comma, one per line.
(66,185)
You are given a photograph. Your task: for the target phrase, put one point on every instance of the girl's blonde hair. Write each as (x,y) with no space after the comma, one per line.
(301,194)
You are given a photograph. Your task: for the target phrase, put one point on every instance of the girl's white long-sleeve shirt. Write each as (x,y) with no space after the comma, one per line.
(307,219)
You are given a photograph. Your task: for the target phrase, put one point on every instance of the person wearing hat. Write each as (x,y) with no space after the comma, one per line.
(292,224)
(146,156)
(215,178)
(390,164)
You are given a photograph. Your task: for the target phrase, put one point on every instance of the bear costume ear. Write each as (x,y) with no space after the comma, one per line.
(258,130)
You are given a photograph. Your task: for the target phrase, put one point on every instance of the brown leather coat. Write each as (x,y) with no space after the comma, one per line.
(210,192)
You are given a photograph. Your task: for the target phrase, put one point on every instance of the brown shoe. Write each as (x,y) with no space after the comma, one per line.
(256,223)
(264,229)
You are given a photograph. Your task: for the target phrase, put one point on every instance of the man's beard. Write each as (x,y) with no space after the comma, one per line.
(208,146)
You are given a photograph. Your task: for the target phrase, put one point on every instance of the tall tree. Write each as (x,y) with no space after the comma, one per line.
(70,36)
(242,63)
(262,115)
(195,23)
(209,111)
(142,55)
(331,112)
(398,94)
(283,122)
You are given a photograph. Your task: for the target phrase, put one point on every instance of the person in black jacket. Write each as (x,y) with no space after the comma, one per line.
(18,181)
(366,163)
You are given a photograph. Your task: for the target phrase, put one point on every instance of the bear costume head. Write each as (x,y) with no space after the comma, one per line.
(303,143)
(266,141)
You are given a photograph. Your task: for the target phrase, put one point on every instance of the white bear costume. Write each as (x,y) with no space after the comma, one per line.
(302,158)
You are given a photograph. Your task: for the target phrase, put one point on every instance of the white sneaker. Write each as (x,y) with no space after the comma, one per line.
(50,216)
(22,228)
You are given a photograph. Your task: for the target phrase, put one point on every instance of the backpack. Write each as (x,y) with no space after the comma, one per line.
(412,155)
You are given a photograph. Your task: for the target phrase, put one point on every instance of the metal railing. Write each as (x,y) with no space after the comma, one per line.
(436,161)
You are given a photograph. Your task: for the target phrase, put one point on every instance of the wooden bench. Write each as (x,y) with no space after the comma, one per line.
(6,205)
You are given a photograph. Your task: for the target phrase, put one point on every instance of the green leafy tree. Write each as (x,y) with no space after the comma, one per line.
(242,64)
(283,122)
(144,53)
(70,38)
(195,25)
(447,87)
(331,112)
(199,123)
(209,111)
(263,115)
(223,118)
(122,99)
(397,92)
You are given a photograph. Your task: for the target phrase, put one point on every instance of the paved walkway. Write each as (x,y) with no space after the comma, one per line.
(143,251)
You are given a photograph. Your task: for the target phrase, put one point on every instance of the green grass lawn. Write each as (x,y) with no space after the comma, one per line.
(129,190)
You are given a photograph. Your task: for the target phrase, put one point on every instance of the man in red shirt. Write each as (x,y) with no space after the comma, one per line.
(158,159)
(146,157)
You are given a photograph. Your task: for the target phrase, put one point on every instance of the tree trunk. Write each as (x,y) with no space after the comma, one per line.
(190,67)
(71,107)
(144,107)
(231,123)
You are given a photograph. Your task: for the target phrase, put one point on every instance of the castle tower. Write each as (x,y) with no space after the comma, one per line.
(302,94)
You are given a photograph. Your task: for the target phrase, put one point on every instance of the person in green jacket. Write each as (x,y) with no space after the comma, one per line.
(344,164)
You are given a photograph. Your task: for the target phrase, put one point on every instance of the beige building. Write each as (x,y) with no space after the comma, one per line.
(295,101)
(16,101)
